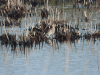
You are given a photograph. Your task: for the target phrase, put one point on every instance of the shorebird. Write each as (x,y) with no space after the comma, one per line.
(51,30)
(86,20)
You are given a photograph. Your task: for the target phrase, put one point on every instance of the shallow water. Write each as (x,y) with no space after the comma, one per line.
(64,58)
(52,57)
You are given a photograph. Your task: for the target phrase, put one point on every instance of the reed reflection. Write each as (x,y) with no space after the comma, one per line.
(67,46)
(25,51)
(54,43)
(6,58)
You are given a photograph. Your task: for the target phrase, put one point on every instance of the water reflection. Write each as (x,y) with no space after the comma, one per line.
(68,48)
(54,43)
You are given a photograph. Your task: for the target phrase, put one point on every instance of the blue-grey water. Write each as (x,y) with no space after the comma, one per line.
(79,58)
(51,57)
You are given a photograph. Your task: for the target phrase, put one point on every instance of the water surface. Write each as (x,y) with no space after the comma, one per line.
(50,57)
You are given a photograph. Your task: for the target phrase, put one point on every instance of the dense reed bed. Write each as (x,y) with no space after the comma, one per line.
(51,25)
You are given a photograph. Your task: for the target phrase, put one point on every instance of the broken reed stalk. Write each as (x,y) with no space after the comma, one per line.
(30,17)
(65,16)
(5,30)
(27,32)
(96,23)
(84,2)
(39,22)
(95,26)
(81,26)
(91,27)
(8,19)
(1,27)
(85,13)
(78,22)
(16,34)
(64,20)
(96,4)
(30,13)
(75,23)
(12,30)
(8,4)
(35,14)
(69,24)
(25,22)
(52,13)
(82,13)
(63,8)
(2,12)
(44,1)
(88,29)
(58,15)
(47,6)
